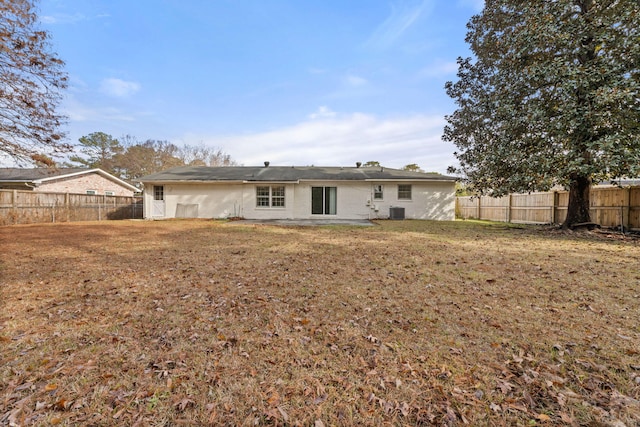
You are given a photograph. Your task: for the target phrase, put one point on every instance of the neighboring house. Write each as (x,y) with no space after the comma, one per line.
(288,192)
(625,182)
(65,180)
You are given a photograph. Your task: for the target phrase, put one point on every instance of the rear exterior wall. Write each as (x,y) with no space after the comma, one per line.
(355,200)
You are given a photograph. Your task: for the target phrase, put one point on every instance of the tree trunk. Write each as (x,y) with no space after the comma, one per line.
(578,209)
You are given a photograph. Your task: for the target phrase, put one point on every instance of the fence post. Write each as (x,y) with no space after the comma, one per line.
(479,208)
(67,206)
(509,208)
(626,210)
(554,208)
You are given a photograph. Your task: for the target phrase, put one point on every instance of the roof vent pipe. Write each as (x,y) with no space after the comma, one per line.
(358,164)
(266,164)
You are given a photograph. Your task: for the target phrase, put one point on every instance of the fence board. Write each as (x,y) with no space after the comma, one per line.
(27,207)
(610,207)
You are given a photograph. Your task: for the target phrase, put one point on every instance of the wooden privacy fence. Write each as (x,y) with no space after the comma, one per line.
(28,207)
(610,207)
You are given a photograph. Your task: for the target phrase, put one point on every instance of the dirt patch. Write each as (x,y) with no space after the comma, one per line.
(405,323)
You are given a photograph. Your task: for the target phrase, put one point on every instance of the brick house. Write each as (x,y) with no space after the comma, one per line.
(65,180)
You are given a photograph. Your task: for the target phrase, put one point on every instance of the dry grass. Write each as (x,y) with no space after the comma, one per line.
(405,323)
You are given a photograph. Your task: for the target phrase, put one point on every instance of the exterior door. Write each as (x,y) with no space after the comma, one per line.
(324,200)
(158,201)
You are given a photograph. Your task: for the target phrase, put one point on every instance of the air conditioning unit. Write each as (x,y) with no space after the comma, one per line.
(396,213)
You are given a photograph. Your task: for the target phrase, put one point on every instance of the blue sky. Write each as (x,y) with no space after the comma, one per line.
(294,82)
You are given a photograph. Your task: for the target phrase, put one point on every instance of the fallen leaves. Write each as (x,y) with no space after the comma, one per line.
(183,404)
(299,327)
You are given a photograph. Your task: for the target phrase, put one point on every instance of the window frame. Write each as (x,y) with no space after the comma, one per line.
(110,193)
(329,202)
(278,193)
(378,192)
(405,192)
(91,192)
(263,196)
(158,193)
(270,196)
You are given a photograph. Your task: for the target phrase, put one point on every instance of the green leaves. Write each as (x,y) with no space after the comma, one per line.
(552,93)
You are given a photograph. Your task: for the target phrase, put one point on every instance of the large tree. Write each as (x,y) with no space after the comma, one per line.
(144,158)
(552,97)
(98,150)
(31,81)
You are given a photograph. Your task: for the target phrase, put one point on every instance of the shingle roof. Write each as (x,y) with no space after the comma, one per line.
(288,174)
(11,176)
(34,174)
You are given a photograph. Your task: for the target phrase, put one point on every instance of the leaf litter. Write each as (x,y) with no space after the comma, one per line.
(405,323)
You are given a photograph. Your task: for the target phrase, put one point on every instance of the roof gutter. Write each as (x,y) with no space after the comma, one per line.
(411,179)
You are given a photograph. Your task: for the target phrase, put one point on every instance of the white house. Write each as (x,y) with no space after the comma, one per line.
(292,192)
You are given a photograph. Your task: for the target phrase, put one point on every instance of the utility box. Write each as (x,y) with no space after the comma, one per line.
(396,213)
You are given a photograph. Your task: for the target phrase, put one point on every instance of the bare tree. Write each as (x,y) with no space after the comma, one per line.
(201,155)
(31,78)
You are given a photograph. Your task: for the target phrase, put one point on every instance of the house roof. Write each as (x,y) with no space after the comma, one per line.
(287,174)
(621,182)
(37,176)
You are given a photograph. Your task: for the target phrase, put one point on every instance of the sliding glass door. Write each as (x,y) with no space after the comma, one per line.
(323,200)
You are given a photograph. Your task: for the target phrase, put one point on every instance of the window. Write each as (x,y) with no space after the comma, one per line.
(277,197)
(158,192)
(92,192)
(267,196)
(404,192)
(323,200)
(109,193)
(377,192)
(262,197)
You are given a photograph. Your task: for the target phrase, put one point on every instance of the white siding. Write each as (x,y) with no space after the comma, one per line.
(430,200)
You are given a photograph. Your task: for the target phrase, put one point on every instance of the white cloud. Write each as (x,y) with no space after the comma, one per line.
(315,70)
(404,14)
(83,113)
(79,111)
(439,69)
(66,18)
(322,113)
(353,80)
(342,140)
(476,5)
(62,18)
(118,88)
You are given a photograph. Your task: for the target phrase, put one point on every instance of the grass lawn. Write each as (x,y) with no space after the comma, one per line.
(405,323)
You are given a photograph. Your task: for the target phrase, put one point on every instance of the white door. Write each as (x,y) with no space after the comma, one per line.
(157,210)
